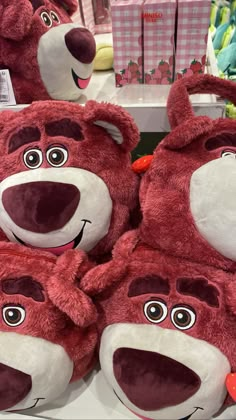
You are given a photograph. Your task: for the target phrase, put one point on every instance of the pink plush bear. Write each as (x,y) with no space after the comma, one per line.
(48,333)
(188,194)
(48,56)
(168,332)
(167,301)
(66,176)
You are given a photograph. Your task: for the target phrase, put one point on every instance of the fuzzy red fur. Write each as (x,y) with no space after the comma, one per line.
(209,291)
(62,313)
(21,30)
(168,223)
(96,152)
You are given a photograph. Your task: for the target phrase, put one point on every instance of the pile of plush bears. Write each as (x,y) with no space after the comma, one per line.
(160,311)
(99,262)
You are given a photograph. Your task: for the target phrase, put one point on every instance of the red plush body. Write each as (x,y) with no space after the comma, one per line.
(48,56)
(66,176)
(46,323)
(168,327)
(188,194)
(166,301)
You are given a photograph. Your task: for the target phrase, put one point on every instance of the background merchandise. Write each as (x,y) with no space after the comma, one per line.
(48,56)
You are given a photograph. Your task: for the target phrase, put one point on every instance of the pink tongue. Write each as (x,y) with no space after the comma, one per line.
(60,249)
(83,83)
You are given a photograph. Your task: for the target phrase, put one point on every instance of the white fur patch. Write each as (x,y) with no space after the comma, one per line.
(213,204)
(56,62)
(114,132)
(48,365)
(95,205)
(203,358)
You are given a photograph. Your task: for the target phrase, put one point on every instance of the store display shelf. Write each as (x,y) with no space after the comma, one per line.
(147,104)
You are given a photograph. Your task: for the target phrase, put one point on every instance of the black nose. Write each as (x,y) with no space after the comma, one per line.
(81,44)
(152,381)
(14,386)
(41,207)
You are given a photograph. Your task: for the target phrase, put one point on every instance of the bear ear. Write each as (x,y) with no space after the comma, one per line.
(69,5)
(15,19)
(116,121)
(179,108)
(64,289)
(126,244)
(6,116)
(180,111)
(103,276)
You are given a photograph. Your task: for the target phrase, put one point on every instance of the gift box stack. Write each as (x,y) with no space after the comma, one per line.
(127,41)
(192,35)
(157,41)
(94,15)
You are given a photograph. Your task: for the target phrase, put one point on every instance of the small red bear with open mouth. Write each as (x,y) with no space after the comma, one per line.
(47,54)
(48,333)
(167,330)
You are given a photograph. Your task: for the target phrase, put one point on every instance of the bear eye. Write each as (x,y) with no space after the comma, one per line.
(13,315)
(57,156)
(183,317)
(54,17)
(33,158)
(46,19)
(227,153)
(155,311)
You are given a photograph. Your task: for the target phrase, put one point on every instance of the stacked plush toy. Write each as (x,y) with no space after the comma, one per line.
(163,308)
(48,56)
(166,301)
(41,327)
(63,170)
(66,176)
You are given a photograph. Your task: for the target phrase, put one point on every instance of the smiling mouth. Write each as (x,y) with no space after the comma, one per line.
(183,418)
(188,417)
(58,250)
(80,83)
(28,408)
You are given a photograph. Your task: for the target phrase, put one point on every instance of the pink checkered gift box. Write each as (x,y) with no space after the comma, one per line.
(77,18)
(158,38)
(102,16)
(86,8)
(127,41)
(192,33)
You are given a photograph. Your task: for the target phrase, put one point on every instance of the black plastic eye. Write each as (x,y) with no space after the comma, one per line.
(54,17)
(33,158)
(57,156)
(227,153)
(46,19)
(155,311)
(13,315)
(182,317)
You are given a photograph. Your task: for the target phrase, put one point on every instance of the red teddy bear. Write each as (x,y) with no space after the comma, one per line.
(168,331)
(48,332)
(48,56)
(188,194)
(66,176)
